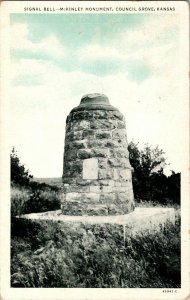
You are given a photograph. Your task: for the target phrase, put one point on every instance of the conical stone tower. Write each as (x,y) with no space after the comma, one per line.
(97,176)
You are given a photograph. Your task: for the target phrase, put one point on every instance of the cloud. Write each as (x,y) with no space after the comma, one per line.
(147,50)
(49,46)
(99,52)
(152,106)
(152,110)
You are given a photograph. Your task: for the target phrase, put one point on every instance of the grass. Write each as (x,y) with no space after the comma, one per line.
(34,198)
(50,254)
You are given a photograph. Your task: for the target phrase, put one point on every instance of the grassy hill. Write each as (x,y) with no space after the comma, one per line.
(57,181)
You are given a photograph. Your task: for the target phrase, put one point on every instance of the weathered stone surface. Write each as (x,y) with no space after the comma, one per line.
(105,174)
(82,182)
(125,174)
(83,124)
(84,153)
(88,134)
(118,162)
(101,152)
(82,198)
(100,114)
(107,182)
(107,189)
(116,174)
(103,134)
(120,124)
(102,163)
(95,189)
(121,152)
(72,136)
(103,124)
(75,188)
(72,169)
(118,134)
(97,210)
(96,143)
(96,160)
(81,144)
(71,154)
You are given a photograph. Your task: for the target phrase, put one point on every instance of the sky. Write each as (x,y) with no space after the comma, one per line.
(58,58)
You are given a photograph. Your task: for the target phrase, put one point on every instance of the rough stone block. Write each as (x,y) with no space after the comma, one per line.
(73,167)
(116,115)
(125,174)
(121,152)
(102,174)
(75,188)
(113,143)
(103,135)
(72,136)
(100,114)
(120,189)
(101,152)
(95,189)
(105,174)
(112,209)
(96,143)
(97,210)
(120,124)
(118,162)
(79,144)
(82,182)
(103,124)
(81,125)
(116,174)
(84,153)
(102,163)
(79,115)
(119,134)
(108,198)
(88,133)
(90,198)
(107,182)
(71,154)
(107,189)
(88,115)
(73,196)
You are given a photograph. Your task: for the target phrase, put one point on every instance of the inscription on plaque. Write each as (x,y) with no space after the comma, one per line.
(90,168)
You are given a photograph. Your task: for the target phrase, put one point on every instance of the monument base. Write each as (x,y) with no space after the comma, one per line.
(141,219)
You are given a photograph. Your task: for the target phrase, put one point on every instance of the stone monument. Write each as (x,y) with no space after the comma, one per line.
(97,177)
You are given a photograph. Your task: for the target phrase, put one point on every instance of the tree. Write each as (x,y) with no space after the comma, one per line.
(19,174)
(146,163)
(149,180)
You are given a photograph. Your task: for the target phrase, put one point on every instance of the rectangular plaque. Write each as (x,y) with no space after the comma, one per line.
(90,168)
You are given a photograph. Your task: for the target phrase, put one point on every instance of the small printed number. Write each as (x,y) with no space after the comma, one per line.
(169,291)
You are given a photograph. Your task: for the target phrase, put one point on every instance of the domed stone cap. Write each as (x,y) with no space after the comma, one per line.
(94,102)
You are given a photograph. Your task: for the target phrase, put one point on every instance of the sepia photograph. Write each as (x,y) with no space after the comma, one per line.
(95,106)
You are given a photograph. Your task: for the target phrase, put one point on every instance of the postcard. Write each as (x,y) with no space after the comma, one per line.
(95,150)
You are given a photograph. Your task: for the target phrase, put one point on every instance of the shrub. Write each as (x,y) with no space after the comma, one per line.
(19,174)
(42,200)
(34,198)
(19,196)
